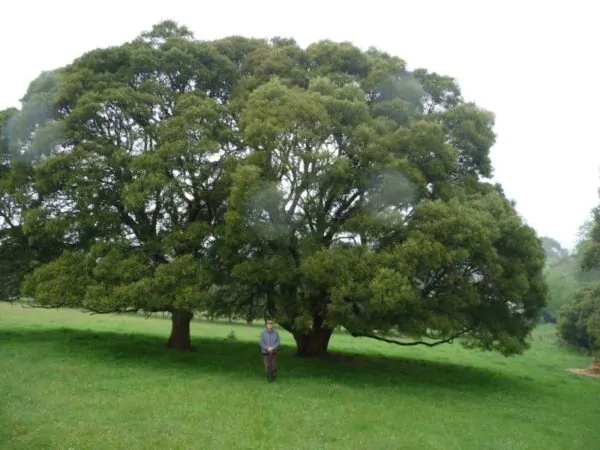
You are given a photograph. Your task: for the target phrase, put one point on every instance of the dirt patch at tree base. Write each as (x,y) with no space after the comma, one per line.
(592,371)
(586,372)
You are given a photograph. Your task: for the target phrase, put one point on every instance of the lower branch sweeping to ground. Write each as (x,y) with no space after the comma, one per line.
(448,340)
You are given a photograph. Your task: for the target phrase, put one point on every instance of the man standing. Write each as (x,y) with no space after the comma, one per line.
(269,341)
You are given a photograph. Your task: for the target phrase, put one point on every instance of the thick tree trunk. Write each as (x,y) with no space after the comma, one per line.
(312,343)
(180,338)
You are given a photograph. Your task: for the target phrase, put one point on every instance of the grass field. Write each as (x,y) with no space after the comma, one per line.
(70,380)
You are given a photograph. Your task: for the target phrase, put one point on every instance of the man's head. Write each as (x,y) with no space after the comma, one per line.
(269,324)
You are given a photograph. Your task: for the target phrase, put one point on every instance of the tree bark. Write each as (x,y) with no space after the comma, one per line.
(313,343)
(180,338)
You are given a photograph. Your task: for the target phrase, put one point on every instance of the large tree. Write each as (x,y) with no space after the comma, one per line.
(129,151)
(326,186)
(362,205)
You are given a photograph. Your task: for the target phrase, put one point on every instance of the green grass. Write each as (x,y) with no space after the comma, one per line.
(70,380)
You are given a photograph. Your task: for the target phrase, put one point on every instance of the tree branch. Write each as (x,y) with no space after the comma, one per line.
(6,219)
(413,343)
(26,304)
(120,311)
(157,208)
(33,304)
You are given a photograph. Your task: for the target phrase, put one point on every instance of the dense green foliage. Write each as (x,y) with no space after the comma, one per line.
(72,380)
(325,187)
(20,251)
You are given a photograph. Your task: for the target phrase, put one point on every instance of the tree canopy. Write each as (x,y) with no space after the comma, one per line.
(324,187)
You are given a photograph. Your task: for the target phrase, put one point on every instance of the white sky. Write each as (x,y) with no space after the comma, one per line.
(532,62)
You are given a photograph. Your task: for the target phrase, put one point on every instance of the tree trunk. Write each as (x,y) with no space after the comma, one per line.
(180,330)
(312,343)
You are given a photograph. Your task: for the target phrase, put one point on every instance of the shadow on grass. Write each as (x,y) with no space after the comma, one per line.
(241,359)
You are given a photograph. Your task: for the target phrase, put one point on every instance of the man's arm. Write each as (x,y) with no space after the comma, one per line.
(263,343)
(276,344)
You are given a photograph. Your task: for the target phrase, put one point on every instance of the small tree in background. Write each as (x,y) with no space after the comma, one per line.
(579,323)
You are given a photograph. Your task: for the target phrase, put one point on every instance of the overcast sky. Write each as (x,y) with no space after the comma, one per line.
(533,63)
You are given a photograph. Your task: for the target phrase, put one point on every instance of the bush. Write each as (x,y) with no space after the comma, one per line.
(579,322)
